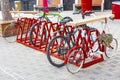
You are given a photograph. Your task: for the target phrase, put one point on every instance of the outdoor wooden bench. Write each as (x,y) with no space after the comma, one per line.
(88,20)
(25,12)
(17,14)
(3,24)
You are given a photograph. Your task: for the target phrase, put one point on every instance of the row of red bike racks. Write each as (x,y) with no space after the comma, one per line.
(95,58)
(88,62)
(24,25)
(23,35)
(48,30)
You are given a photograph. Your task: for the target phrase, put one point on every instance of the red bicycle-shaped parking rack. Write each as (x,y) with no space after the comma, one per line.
(41,34)
(76,57)
(45,31)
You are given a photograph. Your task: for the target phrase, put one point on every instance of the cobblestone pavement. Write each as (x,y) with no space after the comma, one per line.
(19,62)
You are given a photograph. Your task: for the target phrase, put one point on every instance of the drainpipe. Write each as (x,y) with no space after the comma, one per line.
(102,6)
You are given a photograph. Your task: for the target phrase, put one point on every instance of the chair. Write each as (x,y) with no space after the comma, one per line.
(94,3)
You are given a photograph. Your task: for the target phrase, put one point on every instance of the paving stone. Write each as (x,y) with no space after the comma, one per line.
(28,64)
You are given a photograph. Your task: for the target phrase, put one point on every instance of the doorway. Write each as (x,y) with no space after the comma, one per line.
(68,4)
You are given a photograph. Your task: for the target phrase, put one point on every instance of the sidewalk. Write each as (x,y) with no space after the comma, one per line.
(19,62)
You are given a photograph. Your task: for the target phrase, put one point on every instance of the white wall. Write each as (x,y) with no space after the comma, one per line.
(76,1)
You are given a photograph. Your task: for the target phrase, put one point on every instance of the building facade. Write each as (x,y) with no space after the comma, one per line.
(25,4)
(67,4)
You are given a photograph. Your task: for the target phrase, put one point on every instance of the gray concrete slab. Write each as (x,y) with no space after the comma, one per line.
(19,62)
